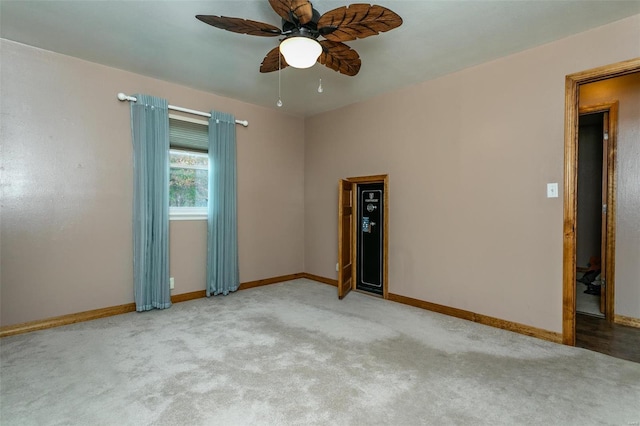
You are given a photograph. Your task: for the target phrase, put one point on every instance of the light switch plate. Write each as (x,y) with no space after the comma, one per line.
(552,190)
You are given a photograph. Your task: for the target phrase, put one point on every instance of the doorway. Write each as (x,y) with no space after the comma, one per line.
(573,83)
(595,227)
(363,235)
(369,253)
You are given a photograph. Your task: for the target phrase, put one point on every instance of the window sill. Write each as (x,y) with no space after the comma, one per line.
(187,214)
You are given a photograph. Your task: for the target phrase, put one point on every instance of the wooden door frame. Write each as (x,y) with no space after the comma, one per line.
(362,180)
(572,87)
(610,250)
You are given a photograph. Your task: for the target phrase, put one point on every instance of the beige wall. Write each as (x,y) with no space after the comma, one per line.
(66,239)
(589,204)
(468,157)
(626,90)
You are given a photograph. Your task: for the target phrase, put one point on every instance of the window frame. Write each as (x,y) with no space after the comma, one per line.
(188,213)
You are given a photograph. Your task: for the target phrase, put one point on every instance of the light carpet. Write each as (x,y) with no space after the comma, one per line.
(587,303)
(292,353)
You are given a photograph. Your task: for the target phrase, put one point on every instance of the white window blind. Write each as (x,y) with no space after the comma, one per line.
(188,135)
(188,176)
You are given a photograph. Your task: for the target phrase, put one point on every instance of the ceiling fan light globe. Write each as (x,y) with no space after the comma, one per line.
(300,52)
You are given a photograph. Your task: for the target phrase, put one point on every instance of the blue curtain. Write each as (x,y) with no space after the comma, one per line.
(222,236)
(150,134)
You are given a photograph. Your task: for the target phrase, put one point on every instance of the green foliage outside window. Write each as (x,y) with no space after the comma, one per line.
(188,179)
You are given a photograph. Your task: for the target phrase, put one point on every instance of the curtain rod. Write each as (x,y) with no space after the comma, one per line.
(123,97)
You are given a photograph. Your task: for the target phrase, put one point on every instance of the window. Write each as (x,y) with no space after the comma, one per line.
(188,182)
(188,168)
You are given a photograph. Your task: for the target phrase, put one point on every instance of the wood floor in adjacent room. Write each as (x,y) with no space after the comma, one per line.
(599,335)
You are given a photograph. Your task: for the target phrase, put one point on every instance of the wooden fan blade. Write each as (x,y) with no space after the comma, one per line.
(270,62)
(242,26)
(339,57)
(357,21)
(302,10)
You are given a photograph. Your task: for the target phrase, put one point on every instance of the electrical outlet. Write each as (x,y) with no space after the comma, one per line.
(552,190)
(172,283)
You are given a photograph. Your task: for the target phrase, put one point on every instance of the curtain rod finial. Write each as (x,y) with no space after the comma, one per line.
(122,96)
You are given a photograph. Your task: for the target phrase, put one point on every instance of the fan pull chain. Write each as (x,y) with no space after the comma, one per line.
(279,103)
(320,89)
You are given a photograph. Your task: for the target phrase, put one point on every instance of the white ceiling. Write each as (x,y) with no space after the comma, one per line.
(163,39)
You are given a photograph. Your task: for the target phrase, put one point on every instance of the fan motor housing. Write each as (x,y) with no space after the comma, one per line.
(310,29)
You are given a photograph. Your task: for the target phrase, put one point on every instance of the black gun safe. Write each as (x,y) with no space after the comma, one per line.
(370,234)
(362,235)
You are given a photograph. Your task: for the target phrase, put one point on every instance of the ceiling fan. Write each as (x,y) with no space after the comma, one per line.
(302,25)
